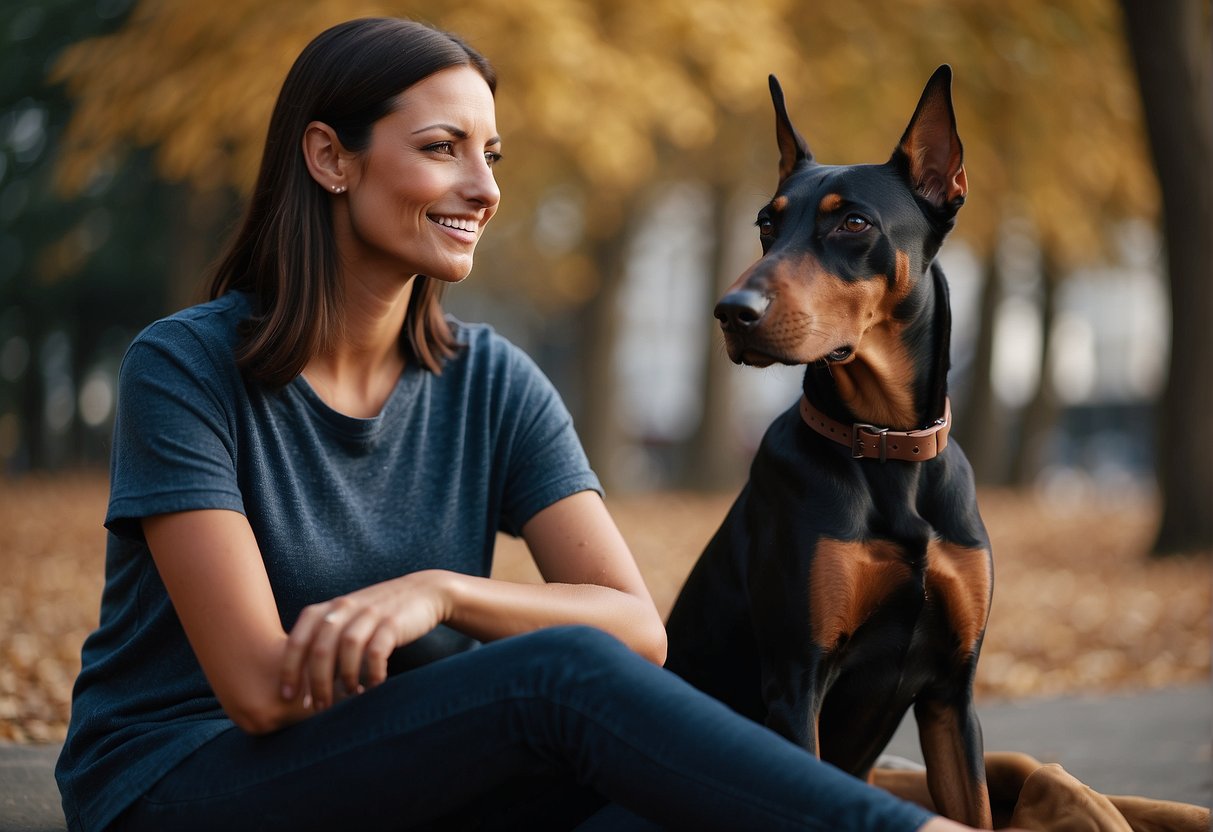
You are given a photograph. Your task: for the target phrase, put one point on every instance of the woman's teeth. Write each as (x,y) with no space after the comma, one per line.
(452,222)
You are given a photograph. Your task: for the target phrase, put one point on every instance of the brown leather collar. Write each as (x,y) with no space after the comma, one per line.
(872,442)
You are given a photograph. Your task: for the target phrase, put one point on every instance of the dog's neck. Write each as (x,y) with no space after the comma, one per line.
(898,376)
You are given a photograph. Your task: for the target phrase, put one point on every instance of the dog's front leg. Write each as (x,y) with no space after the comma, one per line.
(791,664)
(950,736)
(792,692)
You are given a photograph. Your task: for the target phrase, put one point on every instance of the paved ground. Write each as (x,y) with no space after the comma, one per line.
(29,799)
(1158,744)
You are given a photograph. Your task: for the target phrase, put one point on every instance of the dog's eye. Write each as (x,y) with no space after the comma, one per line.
(765,226)
(854,223)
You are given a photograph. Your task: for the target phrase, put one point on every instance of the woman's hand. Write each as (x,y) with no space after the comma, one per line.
(350,638)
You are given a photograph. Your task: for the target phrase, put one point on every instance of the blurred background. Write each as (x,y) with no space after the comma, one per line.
(639,145)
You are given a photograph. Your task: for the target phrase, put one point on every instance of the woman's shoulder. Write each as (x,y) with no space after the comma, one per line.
(475,335)
(201,337)
(216,319)
(498,374)
(483,349)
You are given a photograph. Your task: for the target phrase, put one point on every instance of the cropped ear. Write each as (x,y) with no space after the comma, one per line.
(931,149)
(792,147)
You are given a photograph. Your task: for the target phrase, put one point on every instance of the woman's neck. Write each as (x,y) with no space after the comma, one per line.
(359,372)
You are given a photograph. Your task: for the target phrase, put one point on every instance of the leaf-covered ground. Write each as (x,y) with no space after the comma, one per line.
(1078,607)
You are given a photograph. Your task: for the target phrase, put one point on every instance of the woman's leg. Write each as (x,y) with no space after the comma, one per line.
(563,703)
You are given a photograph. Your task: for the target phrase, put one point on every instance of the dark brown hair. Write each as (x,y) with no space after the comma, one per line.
(285,254)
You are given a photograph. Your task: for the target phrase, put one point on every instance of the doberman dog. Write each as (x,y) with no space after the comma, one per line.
(852,577)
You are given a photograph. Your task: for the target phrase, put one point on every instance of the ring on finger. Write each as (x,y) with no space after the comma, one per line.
(332,618)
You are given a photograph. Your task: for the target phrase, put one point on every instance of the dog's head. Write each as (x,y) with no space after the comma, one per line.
(844,247)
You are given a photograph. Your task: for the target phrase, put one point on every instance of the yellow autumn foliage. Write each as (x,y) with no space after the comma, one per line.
(611,95)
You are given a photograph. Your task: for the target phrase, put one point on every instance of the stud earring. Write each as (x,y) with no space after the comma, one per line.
(338,189)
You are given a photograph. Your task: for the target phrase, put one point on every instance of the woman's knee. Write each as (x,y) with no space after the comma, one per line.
(579,644)
(579,654)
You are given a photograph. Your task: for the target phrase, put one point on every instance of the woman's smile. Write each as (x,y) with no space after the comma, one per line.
(457,223)
(464,229)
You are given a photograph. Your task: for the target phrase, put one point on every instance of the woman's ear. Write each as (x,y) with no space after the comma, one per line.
(327,160)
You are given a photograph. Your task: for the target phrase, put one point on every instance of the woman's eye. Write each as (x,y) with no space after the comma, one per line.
(491,157)
(855,223)
(445,148)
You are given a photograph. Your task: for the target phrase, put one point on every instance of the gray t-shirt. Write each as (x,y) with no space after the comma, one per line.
(336,503)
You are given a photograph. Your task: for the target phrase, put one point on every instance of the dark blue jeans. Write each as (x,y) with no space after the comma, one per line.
(551,730)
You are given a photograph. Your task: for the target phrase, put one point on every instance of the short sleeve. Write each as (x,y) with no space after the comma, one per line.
(545,460)
(174,446)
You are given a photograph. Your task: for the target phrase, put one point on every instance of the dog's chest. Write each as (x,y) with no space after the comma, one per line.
(854,583)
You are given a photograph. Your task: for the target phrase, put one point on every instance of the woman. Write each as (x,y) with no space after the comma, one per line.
(308,474)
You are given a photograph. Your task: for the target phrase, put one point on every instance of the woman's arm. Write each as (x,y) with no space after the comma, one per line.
(591,579)
(211,566)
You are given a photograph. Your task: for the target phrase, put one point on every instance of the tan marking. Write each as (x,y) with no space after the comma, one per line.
(901,277)
(959,578)
(956,791)
(779,203)
(849,581)
(829,203)
(876,383)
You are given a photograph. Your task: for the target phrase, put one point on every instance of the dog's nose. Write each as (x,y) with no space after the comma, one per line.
(741,310)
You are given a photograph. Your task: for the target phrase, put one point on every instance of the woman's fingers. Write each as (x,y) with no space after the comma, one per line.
(351,649)
(378,649)
(322,655)
(297,645)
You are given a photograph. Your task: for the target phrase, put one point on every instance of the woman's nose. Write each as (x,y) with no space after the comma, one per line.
(481,186)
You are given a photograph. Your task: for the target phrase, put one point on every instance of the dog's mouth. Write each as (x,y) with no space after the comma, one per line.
(753,352)
(751,357)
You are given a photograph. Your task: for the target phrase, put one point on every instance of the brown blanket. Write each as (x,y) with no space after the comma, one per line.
(1028,794)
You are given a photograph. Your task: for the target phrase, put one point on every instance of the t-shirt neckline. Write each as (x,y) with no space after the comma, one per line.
(356,427)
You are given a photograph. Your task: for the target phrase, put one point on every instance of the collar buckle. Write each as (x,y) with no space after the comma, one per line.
(857,439)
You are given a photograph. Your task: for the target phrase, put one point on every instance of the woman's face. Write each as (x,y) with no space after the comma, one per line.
(423,190)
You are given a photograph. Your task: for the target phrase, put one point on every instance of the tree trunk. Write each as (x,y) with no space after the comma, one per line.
(1039,417)
(1170,43)
(597,417)
(982,418)
(717,463)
